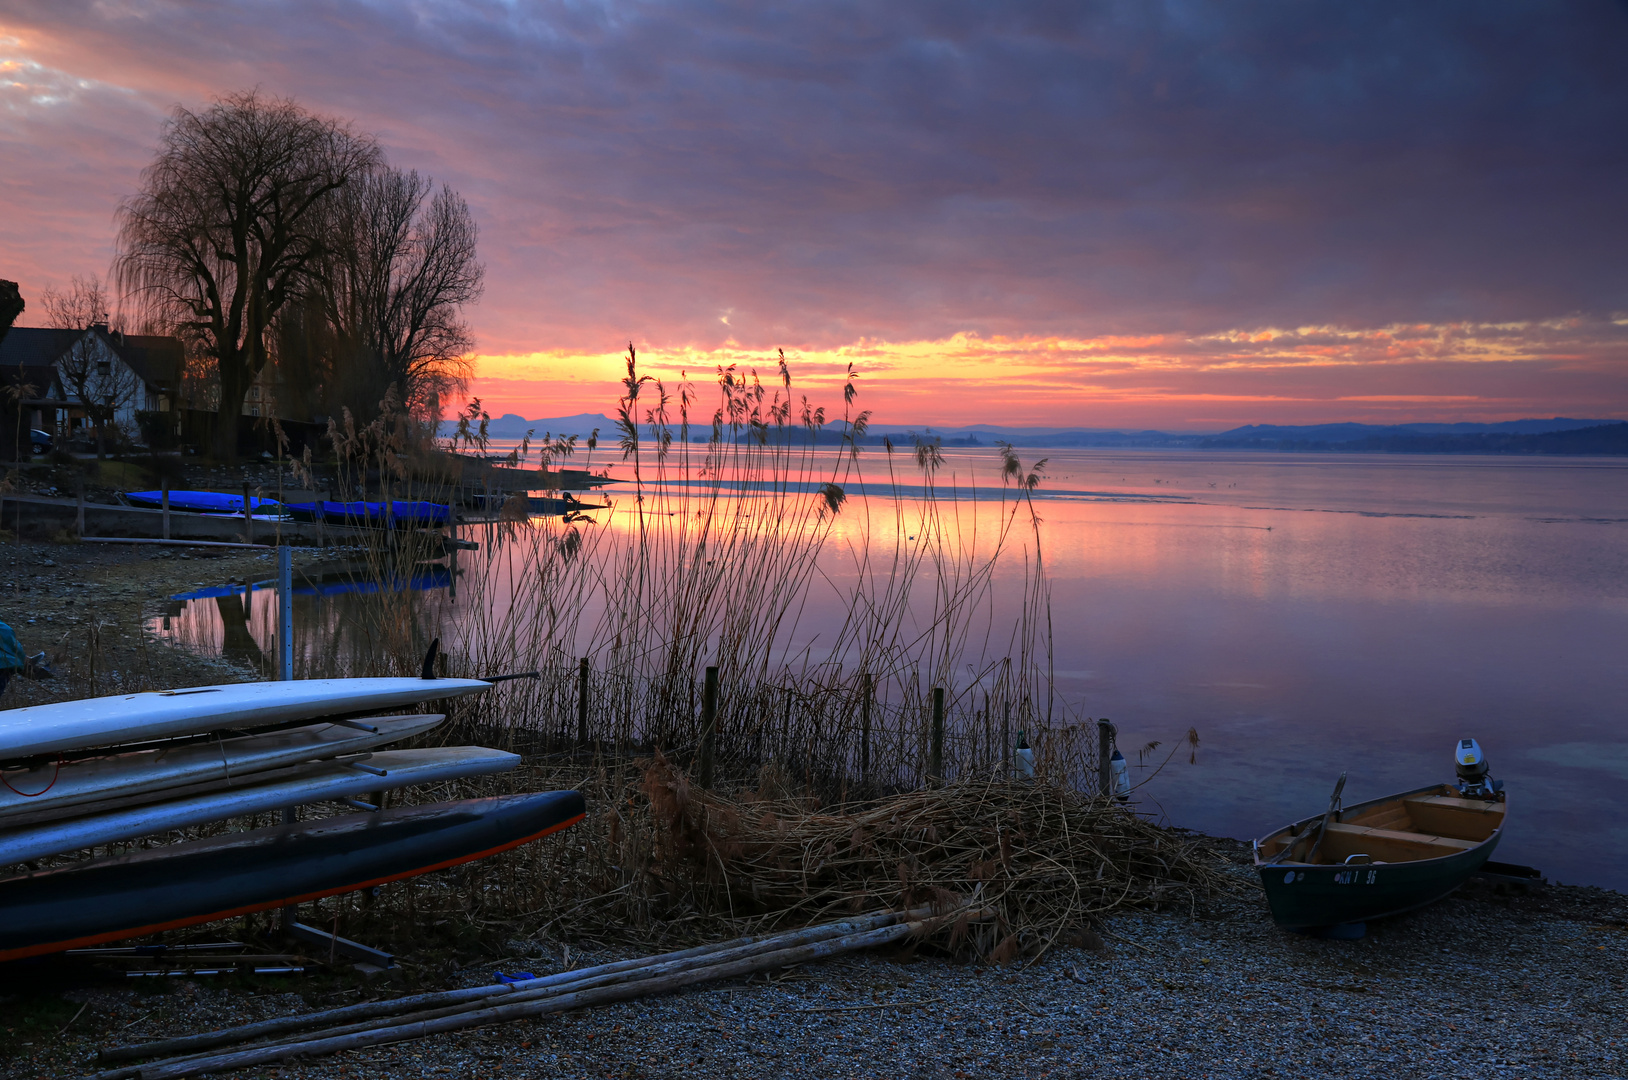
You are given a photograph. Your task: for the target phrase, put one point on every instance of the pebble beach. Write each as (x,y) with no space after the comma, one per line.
(1483,984)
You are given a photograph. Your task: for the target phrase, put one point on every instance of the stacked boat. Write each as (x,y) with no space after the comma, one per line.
(78,776)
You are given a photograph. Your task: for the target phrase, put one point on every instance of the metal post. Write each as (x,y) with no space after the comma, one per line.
(865,692)
(248,519)
(285,612)
(79,521)
(709,725)
(165,496)
(1105,750)
(935,758)
(452,533)
(582,703)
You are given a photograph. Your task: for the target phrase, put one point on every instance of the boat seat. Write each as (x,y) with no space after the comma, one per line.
(1466,819)
(1390,845)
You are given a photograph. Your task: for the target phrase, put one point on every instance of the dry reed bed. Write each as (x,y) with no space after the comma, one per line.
(660,861)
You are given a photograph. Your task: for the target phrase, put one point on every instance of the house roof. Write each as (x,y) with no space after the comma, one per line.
(155,359)
(35,345)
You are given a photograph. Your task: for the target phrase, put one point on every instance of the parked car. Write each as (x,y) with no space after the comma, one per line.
(40,442)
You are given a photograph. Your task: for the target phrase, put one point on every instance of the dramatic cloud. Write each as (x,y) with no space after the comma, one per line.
(997,185)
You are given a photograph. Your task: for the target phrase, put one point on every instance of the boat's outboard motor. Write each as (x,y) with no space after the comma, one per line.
(1474,780)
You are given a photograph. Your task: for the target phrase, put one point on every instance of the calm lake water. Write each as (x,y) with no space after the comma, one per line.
(1315,614)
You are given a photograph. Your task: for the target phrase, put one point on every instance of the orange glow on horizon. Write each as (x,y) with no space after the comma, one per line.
(1393,374)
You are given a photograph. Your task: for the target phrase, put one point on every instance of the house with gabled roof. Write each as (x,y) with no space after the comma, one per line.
(97,369)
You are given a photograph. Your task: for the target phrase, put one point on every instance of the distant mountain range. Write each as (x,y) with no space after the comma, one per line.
(1557,435)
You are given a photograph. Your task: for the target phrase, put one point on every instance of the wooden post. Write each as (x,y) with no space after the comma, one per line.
(1105,750)
(709,725)
(865,691)
(582,703)
(165,497)
(79,522)
(935,755)
(1006,738)
(248,519)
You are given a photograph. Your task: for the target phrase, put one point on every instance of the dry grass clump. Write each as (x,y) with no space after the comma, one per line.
(1045,859)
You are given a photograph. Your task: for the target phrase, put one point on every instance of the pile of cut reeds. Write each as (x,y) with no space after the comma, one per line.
(1044,860)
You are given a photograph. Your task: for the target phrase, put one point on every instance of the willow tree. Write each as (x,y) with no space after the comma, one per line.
(229,225)
(392,288)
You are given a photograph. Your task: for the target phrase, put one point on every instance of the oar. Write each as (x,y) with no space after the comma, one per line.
(1333,807)
(1322,826)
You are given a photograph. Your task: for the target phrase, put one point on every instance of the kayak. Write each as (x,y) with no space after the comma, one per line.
(48,786)
(400,513)
(201,502)
(179,885)
(338,780)
(163,714)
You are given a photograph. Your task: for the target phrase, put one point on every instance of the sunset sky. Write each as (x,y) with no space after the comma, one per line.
(1139,214)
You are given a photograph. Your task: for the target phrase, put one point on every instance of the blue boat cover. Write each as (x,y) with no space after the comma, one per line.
(199,502)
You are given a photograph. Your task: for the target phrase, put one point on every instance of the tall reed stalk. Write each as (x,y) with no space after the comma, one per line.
(755,534)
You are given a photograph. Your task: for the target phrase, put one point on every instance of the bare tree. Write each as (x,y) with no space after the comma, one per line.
(229,224)
(90,370)
(11,306)
(393,288)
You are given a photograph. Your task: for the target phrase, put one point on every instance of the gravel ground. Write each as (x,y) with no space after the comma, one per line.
(1479,985)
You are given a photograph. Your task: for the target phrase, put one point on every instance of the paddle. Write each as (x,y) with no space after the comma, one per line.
(1322,824)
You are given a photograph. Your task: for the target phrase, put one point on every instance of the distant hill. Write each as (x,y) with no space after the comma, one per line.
(1575,437)
(1337,433)
(1556,435)
(513,426)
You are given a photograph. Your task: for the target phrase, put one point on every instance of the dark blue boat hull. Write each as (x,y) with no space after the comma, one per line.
(183,884)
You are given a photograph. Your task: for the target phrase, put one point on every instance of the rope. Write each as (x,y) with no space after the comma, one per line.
(42,791)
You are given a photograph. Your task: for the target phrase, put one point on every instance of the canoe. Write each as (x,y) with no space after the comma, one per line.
(180,885)
(402,513)
(201,502)
(278,789)
(54,786)
(163,714)
(1378,858)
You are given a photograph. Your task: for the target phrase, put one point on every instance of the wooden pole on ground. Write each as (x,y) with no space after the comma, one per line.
(709,724)
(583,673)
(935,755)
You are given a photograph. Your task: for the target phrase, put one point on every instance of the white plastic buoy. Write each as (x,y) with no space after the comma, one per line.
(1122,776)
(1024,756)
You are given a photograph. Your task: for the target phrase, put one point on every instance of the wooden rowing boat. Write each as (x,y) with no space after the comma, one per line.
(1377,858)
(184,884)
